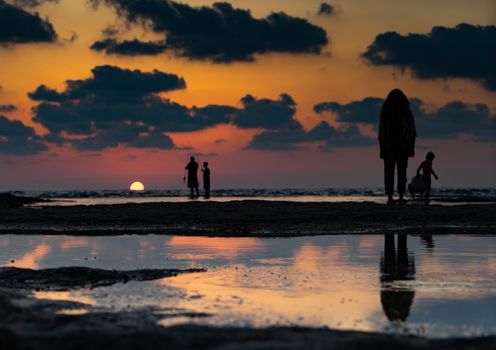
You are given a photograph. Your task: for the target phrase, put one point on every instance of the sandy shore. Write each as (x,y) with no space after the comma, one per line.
(29,323)
(249,218)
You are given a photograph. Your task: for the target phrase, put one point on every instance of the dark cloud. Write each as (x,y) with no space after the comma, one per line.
(449,121)
(364,111)
(292,138)
(112,83)
(465,51)
(284,132)
(32,3)
(129,47)
(457,118)
(266,113)
(221,33)
(44,93)
(7,108)
(122,134)
(18,26)
(325,9)
(18,139)
(120,107)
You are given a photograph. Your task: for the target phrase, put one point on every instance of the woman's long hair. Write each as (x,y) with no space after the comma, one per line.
(397,130)
(396,108)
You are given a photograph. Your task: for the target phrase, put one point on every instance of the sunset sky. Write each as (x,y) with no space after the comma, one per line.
(95,94)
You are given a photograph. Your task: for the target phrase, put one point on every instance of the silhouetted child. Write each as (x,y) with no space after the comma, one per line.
(206,179)
(427,171)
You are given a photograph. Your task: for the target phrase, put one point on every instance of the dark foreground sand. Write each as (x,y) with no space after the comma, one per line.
(28,323)
(249,218)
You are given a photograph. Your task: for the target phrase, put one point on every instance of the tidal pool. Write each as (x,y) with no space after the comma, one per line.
(436,286)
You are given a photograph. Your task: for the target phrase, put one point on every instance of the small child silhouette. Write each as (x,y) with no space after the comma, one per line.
(427,171)
(206,179)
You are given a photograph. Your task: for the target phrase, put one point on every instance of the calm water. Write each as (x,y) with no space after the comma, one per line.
(435,286)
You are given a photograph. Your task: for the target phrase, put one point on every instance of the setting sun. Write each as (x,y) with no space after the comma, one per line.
(137,186)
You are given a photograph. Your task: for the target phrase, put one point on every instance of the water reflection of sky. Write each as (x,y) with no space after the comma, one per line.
(432,285)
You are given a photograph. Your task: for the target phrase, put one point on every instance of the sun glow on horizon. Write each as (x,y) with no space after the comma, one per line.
(137,186)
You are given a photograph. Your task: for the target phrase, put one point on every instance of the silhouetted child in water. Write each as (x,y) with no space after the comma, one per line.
(206,179)
(427,171)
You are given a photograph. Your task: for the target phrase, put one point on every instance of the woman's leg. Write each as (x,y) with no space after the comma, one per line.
(402,164)
(389,178)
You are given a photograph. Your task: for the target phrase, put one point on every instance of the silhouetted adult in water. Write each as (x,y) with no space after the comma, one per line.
(206,179)
(192,169)
(397,135)
(396,265)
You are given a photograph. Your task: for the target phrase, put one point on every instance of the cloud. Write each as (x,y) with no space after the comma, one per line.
(117,106)
(284,132)
(293,138)
(364,111)
(221,33)
(465,51)
(44,93)
(112,83)
(32,3)
(18,139)
(457,118)
(7,108)
(325,9)
(19,26)
(452,120)
(266,113)
(133,47)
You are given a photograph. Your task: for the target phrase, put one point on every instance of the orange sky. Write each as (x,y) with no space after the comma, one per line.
(309,79)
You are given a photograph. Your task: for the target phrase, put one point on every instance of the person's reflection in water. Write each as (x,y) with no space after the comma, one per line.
(396,265)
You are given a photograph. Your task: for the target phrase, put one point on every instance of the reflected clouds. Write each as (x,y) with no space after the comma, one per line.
(31,259)
(209,248)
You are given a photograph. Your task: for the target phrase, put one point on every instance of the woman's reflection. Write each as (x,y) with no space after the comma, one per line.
(396,265)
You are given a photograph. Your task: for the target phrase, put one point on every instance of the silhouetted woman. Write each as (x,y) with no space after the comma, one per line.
(397,140)
(192,169)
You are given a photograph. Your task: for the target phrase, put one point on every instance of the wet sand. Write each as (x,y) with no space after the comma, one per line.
(249,218)
(28,323)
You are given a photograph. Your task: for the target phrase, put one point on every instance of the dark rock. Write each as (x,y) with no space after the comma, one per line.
(66,278)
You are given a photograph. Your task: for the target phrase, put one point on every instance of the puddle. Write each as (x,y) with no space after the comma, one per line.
(437,286)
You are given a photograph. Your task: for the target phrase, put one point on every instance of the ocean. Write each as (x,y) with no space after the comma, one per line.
(443,195)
